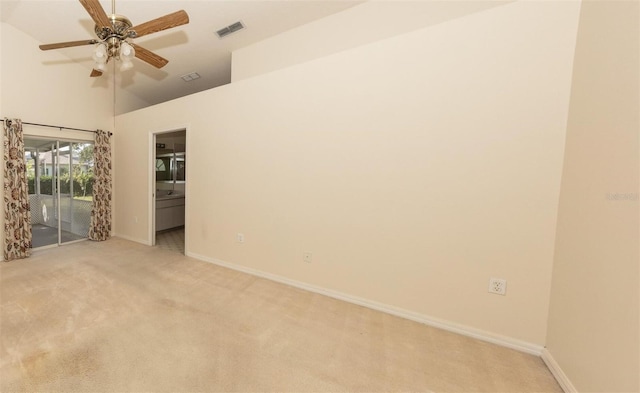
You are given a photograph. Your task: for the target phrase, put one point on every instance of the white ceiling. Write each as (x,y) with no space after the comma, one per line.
(194,47)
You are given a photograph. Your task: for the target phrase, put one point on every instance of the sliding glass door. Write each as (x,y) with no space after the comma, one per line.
(60,176)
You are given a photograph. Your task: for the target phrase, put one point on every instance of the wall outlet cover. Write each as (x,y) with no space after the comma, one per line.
(498,286)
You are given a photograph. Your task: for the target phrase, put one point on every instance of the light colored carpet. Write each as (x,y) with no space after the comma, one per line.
(117,316)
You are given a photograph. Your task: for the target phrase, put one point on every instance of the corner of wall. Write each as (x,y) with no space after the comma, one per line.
(557,372)
(593,326)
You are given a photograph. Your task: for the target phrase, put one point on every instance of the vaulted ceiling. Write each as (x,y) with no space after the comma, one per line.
(194,47)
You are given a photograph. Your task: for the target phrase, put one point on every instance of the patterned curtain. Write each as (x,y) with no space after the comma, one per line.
(100,228)
(17,216)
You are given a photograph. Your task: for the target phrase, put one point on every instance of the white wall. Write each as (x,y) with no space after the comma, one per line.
(593,320)
(47,88)
(359,25)
(125,101)
(414,168)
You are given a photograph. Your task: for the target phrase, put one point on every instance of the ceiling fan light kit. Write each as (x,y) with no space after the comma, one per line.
(126,54)
(114,34)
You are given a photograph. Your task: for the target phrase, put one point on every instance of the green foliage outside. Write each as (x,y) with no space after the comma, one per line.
(82,185)
(82,178)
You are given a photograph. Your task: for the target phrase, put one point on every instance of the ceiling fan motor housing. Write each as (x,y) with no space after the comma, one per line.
(120,26)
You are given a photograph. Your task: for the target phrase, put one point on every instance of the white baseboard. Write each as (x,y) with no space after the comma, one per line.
(479,334)
(557,372)
(133,239)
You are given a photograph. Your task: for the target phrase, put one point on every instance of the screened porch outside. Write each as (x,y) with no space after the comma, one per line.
(60,176)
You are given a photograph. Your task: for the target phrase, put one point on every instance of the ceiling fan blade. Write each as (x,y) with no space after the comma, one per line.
(67,44)
(96,12)
(95,73)
(150,57)
(168,21)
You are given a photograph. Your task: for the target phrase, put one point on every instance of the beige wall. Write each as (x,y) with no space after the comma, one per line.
(414,168)
(125,101)
(362,24)
(593,320)
(45,87)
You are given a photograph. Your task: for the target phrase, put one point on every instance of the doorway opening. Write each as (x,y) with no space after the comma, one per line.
(169,196)
(60,180)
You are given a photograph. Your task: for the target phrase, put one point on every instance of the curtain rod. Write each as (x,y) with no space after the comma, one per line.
(58,127)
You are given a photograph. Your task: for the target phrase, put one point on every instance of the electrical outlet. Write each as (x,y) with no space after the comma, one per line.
(498,286)
(240,237)
(307,257)
(135,219)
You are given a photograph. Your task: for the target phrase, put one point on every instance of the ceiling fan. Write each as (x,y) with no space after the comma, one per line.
(114,33)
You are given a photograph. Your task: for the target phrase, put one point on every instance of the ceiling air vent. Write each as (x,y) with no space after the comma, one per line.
(232,28)
(190,77)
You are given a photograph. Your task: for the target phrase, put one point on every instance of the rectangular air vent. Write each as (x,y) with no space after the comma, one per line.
(190,77)
(232,28)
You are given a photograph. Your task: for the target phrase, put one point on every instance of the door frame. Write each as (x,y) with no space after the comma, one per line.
(152,183)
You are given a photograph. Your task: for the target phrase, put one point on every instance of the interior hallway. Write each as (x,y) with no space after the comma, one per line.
(121,316)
